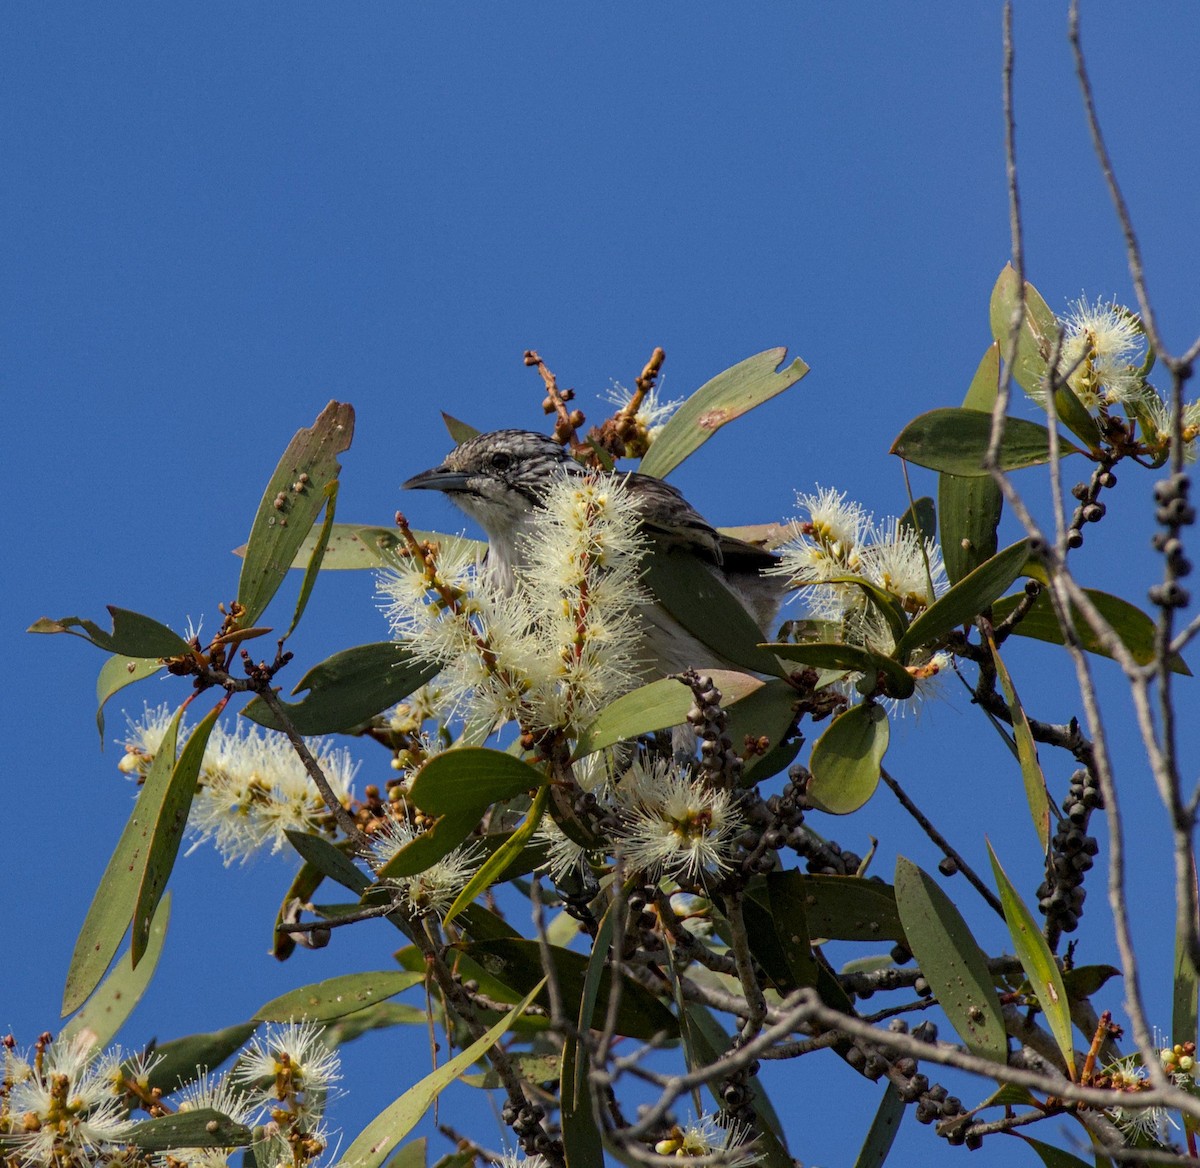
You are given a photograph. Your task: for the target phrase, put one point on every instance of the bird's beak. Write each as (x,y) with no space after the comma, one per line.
(437,479)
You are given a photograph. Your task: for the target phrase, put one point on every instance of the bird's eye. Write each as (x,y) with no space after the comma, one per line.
(501,461)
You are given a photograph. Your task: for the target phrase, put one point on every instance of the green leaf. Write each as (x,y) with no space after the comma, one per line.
(851,908)
(921,518)
(278,531)
(882,1131)
(133,635)
(888,606)
(112,1003)
(786,897)
(355,546)
(1035,345)
(967,599)
(846,759)
(202,1128)
(1038,962)
(412,1156)
(707,609)
(969,509)
(181,1057)
(306,881)
(313,567)
(158,858)
(657,706)
(381,1016)
(460,431)
(1051,1156)
(1184,998)
(472,776)
(834,655)
(769,711)
(329,860)
(337,996)
(951,961)
(491,869)
(113,905)
(954,441)
(1130,623)
(518,964)
(115,674)
(386,1130)
(727,396)
(348,688)
(433,843)
(1036,794)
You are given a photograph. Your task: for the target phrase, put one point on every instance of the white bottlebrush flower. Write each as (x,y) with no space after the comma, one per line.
(1127,1075)
(520,1160)
(254,788)
(219,1093)
(143,738)
(1103,346)
(652,414)
(673,825)
(901,563)
(728,1147)
(67,1104)
(289,1063)
(1162,425)
(553,645)
(433,891)
(826,545)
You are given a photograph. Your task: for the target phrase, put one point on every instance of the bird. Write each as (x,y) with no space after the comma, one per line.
(500,479)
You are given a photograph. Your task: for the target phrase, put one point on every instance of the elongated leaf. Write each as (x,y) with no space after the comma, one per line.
(306,881)
(711,1042)
(180,1058)
(1184,996)
(768,711)
(460,431)
(313,567)
(113,905)
(846,759)
(432,844)
(1051,1156)
(348,688)
(882,1130)
(202,1128)
(1035,346)
(969,509)
(786,898)
(386,1130)
(108,1008)
(1034,781)
(493,867)
(967,599)
(1132,625)
(115,674)
(954,441)
(337,996)
(727,396)
(1038,962)
(472,776)
(851,908)
(381,1016)
(708,610)
(329,860)
(414,1155)
(657,706)
(887,605)
(133,635)
(921,518)
(355,546)
(518,965)
(290,504)
(951,961)
(158,858)
(833,655)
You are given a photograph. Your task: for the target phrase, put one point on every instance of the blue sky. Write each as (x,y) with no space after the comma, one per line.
(220,217)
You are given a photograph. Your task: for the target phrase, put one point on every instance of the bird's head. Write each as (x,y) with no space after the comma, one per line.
(499,479)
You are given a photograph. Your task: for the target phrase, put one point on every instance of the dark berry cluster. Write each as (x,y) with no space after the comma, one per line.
(1061,894)
(1173,511)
